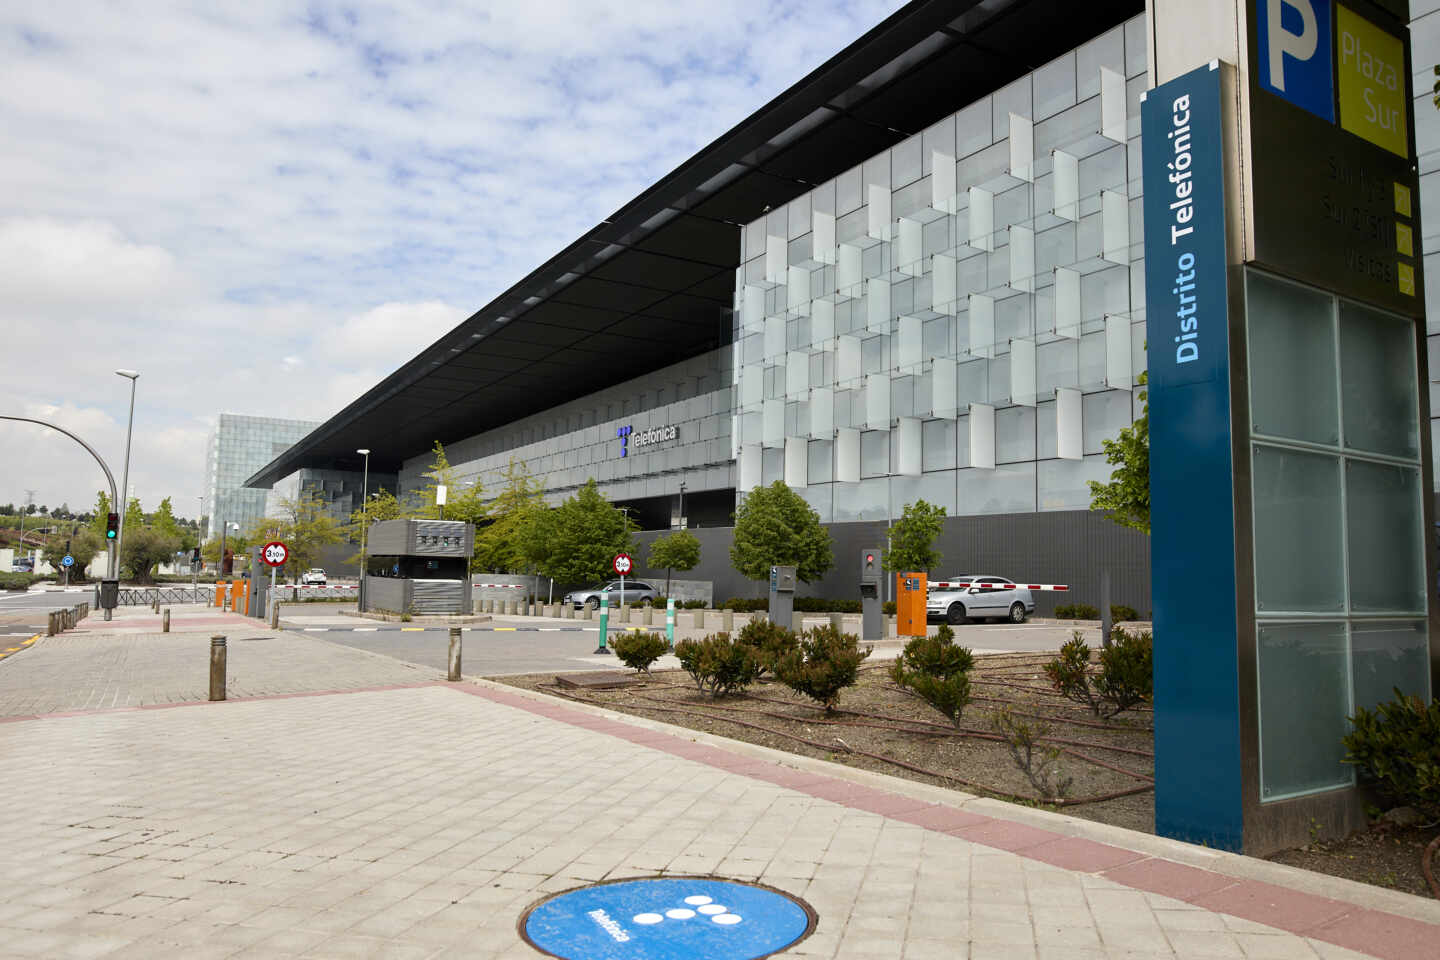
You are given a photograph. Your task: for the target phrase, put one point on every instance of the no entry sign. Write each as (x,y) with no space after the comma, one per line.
(667,918)
(275,553)
(623,564)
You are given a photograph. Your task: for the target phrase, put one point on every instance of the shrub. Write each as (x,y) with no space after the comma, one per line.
(17,581)
(692,604)
(937,670)
(771,642)
(718,664)
(746,604)
(888,608)
(1398,745)
(1077,611)
(1119,613)
(1040,764)
(1127,669)
(825,605)
(824,663)
(639,650)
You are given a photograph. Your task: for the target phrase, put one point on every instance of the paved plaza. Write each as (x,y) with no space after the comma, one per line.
(401,816)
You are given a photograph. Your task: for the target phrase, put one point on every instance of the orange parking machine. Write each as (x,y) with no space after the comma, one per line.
(910,591)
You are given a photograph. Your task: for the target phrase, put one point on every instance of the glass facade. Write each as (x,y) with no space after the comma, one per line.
(235,450)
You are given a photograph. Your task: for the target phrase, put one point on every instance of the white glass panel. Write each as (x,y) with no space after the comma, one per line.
(1387,655)
(1022,258)
(877,401)
(867,500)
(878,222)
(1022,148)
(775,259)
(1304,700)
(1292,360)
(982,219)
(910,248)
(752,385)
(908,459)
(822,238)
(1067,303)
(874,454)
(877,305)
(982,325)
(942,285)
(798,289)
(821,468)
(937,445)
(1005,489)
(1112,105)
(1377,377)
(942,387)
(753,318)
(1069,432)
(1065,484)
(910,348)
(1066,184)
(1115,226)
(847,359)
(1387,550)
(1298,554)
(750,464)
(848,272)
(1022,372)
(797,462)
(847,455)
(822,413)
(773,427)
(822,323)
(942,182)
(797,375)
(1117,353)
(774,338)
(982,436)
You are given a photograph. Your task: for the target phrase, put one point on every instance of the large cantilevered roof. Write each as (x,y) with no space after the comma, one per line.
(653,283)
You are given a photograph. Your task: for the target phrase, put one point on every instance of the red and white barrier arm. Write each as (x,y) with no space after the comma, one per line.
(963,584)
(500,586)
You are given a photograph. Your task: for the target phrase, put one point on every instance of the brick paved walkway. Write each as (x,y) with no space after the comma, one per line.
(420,822)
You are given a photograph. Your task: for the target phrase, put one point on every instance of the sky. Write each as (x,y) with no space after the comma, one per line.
(267,207)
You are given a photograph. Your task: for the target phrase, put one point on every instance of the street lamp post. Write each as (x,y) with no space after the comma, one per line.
(364,527)
(682,505)
(123,508)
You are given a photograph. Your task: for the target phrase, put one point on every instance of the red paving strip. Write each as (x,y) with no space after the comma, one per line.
(1368,931)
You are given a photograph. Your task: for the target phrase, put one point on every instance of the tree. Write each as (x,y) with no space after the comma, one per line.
(1126,496)
(145,547)
(774,525)
(912,539)
(85,544)
(134,515)
(164,520)
(675,551)
(305,526)
(513,540)
(102,510)
(581,537)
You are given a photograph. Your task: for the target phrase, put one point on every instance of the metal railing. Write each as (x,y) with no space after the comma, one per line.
(149,596)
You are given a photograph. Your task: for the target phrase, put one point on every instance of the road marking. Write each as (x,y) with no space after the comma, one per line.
(365,629)
(26,643)
(11,649)
(316,629)
(411,629)
(503,629)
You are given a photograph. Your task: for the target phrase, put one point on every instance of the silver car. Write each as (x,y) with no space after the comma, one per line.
(637,592)
(979,597)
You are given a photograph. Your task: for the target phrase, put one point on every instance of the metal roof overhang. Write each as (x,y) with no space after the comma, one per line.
(653,284)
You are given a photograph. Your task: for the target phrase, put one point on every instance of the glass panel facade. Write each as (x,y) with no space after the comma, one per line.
(1304,702)
(1298,550)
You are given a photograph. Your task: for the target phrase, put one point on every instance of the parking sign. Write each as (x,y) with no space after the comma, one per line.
(1296,53)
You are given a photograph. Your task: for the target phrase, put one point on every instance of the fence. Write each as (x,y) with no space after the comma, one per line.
(148,596)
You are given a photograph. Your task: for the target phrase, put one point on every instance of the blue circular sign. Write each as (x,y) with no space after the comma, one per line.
(69,561)
(667,918)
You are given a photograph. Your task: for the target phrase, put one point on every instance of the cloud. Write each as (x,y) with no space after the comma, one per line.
(265,208)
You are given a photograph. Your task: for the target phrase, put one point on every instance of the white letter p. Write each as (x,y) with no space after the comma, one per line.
(1300,45)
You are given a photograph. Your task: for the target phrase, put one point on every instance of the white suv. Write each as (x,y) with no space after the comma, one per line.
(314,577)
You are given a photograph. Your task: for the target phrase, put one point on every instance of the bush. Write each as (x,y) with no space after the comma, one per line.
(692,604)
(888,608)
(825,663)
(18,581)
(937,670)
(1126,675)
(639,650)
(771,642)
(1041,765)
(825,605)
(1398,746)
(1119,613)
(746,604)
(1077,611)
(718,664)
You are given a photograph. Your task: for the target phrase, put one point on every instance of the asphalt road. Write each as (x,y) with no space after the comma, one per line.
(38,604)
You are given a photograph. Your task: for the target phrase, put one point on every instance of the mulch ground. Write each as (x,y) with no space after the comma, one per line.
(1109,764)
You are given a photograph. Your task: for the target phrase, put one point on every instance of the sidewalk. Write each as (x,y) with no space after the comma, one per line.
(421,821)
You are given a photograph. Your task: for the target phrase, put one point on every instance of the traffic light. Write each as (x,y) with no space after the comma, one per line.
(112,526)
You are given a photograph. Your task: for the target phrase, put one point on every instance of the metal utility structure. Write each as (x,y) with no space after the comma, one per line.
(419,566)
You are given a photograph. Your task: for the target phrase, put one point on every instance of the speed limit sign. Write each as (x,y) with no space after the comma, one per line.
(275,553)
(623,564)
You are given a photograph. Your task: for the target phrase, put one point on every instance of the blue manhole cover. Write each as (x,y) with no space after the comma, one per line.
(667,918)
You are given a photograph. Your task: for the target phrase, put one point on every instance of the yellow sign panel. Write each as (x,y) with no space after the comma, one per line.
(1404,239)
(1372,82)
(1405,276)
(1402,200)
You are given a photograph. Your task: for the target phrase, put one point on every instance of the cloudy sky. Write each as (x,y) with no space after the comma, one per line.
(265,207)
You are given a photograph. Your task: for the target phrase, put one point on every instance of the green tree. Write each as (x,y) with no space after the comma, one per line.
(774,525)
(674,551)
(102,510)
(85,545)
(582,536)
(514,539)
(912,539)
(305,526)
(164,520)
(1126,495)
(382,505)
(144,547)
(134,515)
(440,474)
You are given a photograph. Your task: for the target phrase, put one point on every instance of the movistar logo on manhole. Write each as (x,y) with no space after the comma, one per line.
(667,918)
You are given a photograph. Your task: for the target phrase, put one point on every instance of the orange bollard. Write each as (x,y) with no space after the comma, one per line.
(219,593)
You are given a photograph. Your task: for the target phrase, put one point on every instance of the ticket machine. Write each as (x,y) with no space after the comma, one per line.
(910,604)
(872,620)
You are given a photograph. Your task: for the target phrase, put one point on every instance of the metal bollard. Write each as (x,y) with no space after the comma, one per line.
(454,673)
(217,667)
(165,621)
(50,630)
(837,622)
(275,615)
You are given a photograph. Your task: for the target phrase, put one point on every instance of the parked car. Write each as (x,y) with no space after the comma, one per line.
(314,577)
(23,565)
(637,592)
(983,598)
